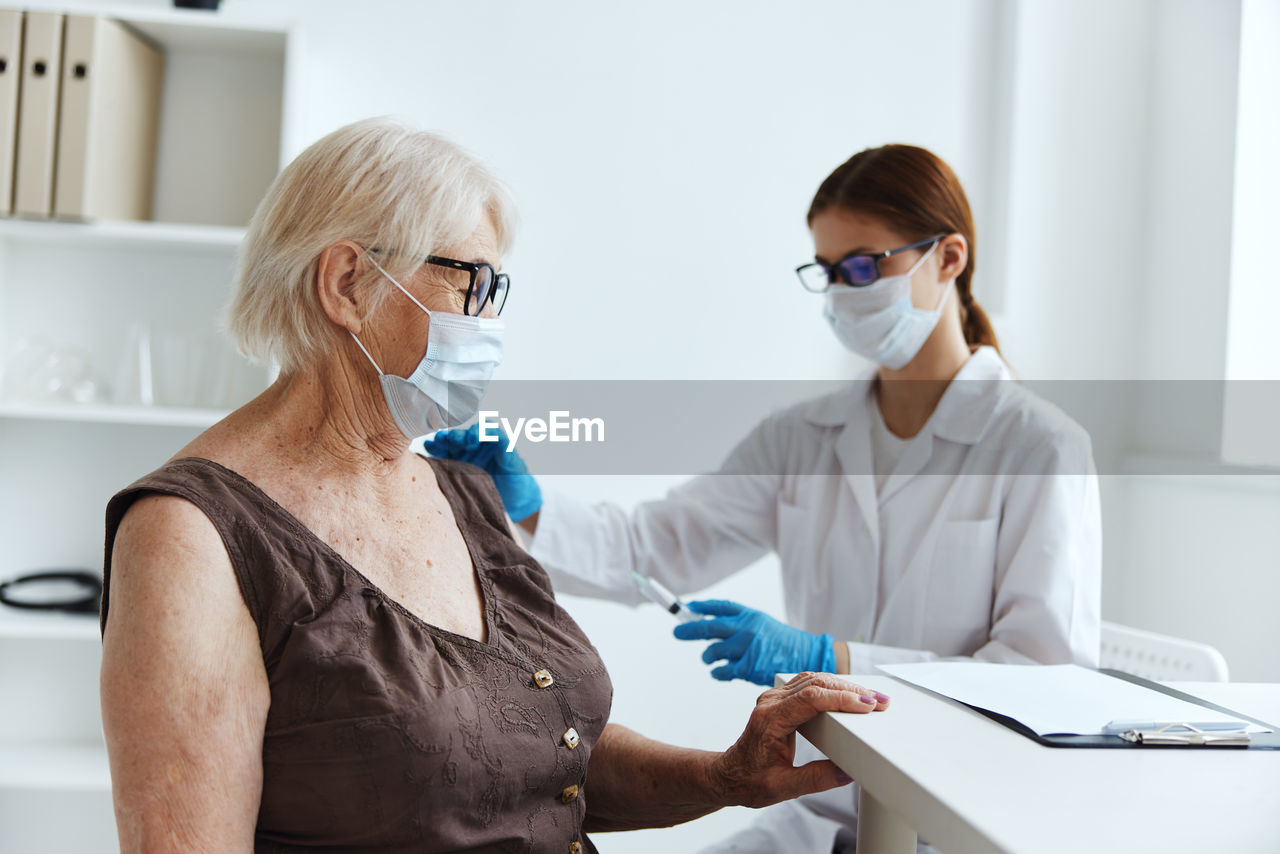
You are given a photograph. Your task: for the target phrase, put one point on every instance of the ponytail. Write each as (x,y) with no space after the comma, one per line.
(978,331)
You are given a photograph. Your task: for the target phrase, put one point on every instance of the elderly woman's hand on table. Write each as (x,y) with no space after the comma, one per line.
(637,782)
(757,771)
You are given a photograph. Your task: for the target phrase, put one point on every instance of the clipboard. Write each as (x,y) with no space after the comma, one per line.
(1256,741)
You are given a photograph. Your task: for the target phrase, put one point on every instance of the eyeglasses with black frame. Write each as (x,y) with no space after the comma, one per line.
(857,269)
(486,284)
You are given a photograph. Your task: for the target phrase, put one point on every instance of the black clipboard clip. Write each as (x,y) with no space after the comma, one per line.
(1186,735)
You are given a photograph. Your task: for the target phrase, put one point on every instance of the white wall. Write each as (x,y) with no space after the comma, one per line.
(663,155)
(1253,400)
(1079,149)
(1131,261)
(1254,304)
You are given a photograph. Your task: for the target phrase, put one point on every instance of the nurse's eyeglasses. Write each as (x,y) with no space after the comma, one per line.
(486,284)
(857,269)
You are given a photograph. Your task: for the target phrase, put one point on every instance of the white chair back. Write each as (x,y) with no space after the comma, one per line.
(1160,657)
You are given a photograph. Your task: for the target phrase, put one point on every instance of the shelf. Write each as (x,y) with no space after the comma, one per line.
(195,30)
(136,234)
(61,767)
(192,30)
(18,624)
(143,416)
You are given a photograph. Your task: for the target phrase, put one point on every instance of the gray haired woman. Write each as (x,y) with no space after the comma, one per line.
(314,638)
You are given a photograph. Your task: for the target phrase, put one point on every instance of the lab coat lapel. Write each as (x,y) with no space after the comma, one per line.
(853,450)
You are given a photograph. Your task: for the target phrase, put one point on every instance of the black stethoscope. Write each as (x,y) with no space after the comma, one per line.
(72,591)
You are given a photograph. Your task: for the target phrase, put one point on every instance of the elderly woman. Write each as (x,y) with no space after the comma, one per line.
(314,638)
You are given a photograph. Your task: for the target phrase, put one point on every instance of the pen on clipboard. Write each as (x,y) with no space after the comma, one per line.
(1120,726)
(664,597)
(1186,735)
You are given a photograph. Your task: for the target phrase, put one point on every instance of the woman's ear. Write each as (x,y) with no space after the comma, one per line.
(336,276)
(953,254)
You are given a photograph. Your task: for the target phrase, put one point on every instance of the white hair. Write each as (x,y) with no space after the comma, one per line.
(376,182)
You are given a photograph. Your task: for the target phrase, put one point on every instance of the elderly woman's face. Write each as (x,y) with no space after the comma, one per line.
(444,289)
(404,328)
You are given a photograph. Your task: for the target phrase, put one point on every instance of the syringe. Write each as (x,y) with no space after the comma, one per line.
(664,597)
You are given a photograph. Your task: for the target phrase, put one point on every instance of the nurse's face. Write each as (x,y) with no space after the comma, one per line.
(838,232)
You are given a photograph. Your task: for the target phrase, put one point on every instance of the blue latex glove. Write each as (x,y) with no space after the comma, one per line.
(520,494)
(755,645)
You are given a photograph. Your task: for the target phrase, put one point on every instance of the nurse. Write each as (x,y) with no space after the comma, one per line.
(934,508)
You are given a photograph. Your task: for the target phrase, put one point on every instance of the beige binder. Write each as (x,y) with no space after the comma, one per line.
(10,74)
(111,88)
(38,114)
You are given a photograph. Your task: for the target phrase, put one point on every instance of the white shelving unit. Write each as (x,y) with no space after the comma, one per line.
(96,296)
(157,416)
(16,624)
(52,234)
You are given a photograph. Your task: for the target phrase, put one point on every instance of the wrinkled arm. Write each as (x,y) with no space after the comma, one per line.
(635,782)
(184,690)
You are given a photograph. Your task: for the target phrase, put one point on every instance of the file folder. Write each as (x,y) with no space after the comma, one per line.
(112,79)
(1253,741)
(38,114)
(10,74)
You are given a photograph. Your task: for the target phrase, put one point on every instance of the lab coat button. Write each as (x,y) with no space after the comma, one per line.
(571,738)
(543,679)
(575,848)
(569,795)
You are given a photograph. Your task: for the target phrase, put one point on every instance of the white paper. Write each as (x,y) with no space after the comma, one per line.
(1056,699)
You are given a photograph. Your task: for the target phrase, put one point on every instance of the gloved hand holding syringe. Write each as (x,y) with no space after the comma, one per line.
(664,597)
(755,645)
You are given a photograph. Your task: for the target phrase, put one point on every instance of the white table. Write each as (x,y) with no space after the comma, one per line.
(971,786)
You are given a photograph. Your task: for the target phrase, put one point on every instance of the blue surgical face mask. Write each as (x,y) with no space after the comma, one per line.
(879,321)
(446,388)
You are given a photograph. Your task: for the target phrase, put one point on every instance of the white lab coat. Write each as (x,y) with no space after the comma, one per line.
(985,541)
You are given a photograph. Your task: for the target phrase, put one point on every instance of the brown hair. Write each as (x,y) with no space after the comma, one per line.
(914,192)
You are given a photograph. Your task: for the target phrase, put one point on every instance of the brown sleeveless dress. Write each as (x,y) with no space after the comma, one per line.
(386,733)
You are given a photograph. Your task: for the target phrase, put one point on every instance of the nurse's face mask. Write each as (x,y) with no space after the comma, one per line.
(878,320)
(446,387)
